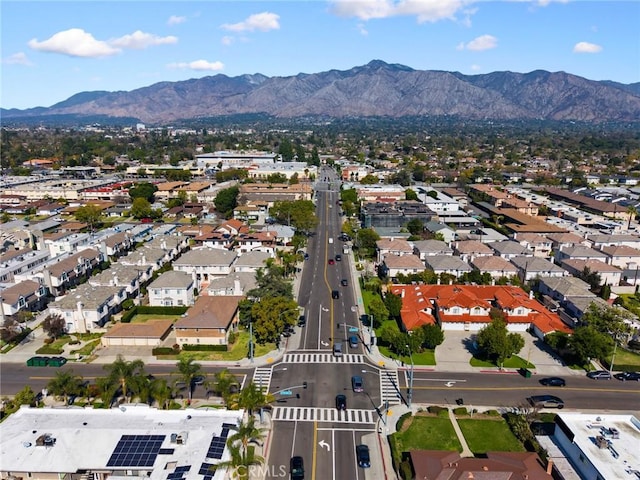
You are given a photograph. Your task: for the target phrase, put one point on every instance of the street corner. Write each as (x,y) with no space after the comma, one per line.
(270,360)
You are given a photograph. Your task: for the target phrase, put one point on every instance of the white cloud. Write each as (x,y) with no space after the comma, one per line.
(199,65)
(175,20)
(586,47)
(74,42)
(475,68)
(362,30)
(227,40)
(423,10)
(262,22)
(19,58)
(483,42)
(140,40)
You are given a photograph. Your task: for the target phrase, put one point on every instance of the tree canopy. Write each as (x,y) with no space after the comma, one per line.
(144,190)
(496,343)
(226,201)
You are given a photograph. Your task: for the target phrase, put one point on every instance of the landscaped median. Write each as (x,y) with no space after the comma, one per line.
(432,429)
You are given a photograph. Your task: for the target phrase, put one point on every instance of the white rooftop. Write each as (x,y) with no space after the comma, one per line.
(85,439)
(621,460)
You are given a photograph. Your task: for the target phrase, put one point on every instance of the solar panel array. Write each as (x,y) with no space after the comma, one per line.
(136,451)
(179,473)
(208,470)
(216,448)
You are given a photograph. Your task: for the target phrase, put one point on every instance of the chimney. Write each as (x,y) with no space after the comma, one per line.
(550,467)
(237,290)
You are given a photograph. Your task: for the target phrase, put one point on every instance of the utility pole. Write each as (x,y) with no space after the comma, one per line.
(251,341)
(410,394)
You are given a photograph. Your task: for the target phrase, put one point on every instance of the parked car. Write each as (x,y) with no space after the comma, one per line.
(344,282)
(198,380)
(353,341)
(357,384)
(546,401)
(297,468)
(362,454)
(341,402)
(302,321)
(553,382)
(627,376)
(599,375)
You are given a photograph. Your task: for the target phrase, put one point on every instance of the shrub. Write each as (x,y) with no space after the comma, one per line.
(492,413)
(401,421)
(406,472)
(204,348)
(439,411)
(163,351)
(460,411)
(127,304)
(48,341)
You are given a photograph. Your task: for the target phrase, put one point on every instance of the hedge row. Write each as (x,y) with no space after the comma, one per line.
(204,348)
(147,310)
(163,351)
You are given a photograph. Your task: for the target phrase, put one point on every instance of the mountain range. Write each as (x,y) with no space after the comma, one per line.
(377,89)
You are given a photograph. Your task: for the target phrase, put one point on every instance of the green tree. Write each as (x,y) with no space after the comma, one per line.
(379,311)
(366,242)
(226,201)
(277,178)
(225,385)
(285,149)
(299,213)
(241,462)
(432,336)
(26,396)
(410,194)
(369,180)
(270,315)
(187,371)
(588,342)
(89,214)
(496,343)
(161,392)
(251,398)
(141,208)
(393,303)
(125,374)
(415,226)
(144,190)
(64,384)
(10,330)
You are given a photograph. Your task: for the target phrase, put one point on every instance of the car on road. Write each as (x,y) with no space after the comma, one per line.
(335,294)
(553,382)
(198,380)
(338,258)
(341,402)
(546,401)
(599,375)
(306,256)
(357,384)
(332,261)
(344,282)
(627,376)
(302,321)
(362,454)
(297,468)
(353,341)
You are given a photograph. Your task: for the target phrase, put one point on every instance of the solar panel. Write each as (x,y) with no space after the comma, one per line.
(184,468)
(136,451)
(207,469)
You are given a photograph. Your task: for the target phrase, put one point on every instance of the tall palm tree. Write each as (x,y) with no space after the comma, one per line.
(188,370)
(226,384)
(251,398)
(125,374)
(241,461)
(246,432)
(632,212)
(64,384)
(161,392)
(107,389)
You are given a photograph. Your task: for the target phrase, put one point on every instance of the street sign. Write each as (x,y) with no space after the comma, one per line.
(353,329)
(286,392)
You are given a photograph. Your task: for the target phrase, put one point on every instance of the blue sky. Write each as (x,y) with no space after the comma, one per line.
(51,50)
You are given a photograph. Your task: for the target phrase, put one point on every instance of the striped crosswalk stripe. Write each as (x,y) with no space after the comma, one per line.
(322,358)
(329,415)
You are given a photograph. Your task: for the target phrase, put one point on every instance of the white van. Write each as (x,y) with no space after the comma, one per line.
(337,349)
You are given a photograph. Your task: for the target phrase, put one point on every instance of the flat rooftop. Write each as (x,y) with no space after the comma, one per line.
(170,444)
(621,460)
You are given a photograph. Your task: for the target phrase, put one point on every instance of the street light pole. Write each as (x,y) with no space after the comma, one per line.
(251,341)
(410,394)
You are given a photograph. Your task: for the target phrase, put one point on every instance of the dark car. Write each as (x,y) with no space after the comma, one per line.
(302,321)
(341,402)
(331,261)
(627,376)
(335,294)
(357,384)
(338,258)
(344,282)
(599,375)
(546,401)
(198,380)
(553,382)
(362,454)
(297,468)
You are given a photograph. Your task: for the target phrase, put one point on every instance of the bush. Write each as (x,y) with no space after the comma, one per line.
(48,341)
(492,413)
(204,348)
(163,351)
(406,472)
(439,411)
(460,411)
(127,304)
(402,420)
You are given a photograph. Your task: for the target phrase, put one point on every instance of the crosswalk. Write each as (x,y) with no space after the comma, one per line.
(262,377)
(389,387)
(331,415)
(322,358)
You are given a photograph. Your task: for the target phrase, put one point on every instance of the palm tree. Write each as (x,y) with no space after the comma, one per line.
(251,398)
(632,212)
(107,389)
(226,384)
(188,370)
(243,455)
(126,374)
(161,392)
(64,384)
(246,432)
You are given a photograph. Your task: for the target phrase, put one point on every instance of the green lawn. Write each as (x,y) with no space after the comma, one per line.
(143,317)
(489,436)
(512,362)
(428,357)
(425,433)
(626,357)
(238,351)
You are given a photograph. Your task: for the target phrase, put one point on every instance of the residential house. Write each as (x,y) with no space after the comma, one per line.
(148,334)
(392,246)
(15,263)
(603,240)
(153,257)
(130,277)
(495,266)
(579,252)
(530,268)
(271,192)
(219,240)
(233,228)
(392,265)
(252,213)
(236,283)
(209,321)
(26,295)
(65,242)
(448,264)
(540,245)
(250,262)
(622,256)
(448,233)
(396,214)
(88,308)
(64,272)
(609,274)
(172,289)
(283,233)
(510,249)
(468,250)
(565,240)
(116,245)
(264,241)
(206,263)
(429,248)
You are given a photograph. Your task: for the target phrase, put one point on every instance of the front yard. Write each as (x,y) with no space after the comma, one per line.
(483,435)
